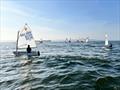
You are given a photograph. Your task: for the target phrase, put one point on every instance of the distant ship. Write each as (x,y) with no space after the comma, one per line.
(47,40)
(42,41)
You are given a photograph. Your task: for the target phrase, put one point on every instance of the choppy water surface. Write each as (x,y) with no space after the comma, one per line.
(61,66)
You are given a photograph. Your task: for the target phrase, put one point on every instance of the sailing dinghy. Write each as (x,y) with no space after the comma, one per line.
(107,45)
(25,38)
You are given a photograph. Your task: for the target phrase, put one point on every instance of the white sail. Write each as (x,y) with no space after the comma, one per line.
(87,39)
(106,40)
(25,38)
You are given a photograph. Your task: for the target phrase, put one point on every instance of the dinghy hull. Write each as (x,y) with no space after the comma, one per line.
(108,47)
(21,53)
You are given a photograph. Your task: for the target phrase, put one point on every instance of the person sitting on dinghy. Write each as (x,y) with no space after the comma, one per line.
(28,49)
(110,45)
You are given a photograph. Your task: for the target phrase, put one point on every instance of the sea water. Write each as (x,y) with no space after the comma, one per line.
(61,66)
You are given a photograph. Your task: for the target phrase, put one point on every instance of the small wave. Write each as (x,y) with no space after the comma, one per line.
(108,83)
(74,57)
(81,58)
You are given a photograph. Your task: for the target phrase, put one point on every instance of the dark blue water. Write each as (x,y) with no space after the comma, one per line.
(61,66)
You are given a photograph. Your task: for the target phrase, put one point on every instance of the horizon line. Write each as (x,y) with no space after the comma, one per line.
(59,40)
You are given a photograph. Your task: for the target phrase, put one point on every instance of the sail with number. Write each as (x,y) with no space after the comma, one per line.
(25,38)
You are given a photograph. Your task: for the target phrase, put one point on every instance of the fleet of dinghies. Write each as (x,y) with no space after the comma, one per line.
(25,39)
(81,40)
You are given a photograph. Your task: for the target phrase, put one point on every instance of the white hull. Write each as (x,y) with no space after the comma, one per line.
(21,53)
(108,47)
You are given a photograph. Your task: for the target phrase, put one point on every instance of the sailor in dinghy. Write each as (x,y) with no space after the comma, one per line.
(28,50)
(107,44)
(25,38)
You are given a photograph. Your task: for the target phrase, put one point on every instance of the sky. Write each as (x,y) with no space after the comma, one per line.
(61,19)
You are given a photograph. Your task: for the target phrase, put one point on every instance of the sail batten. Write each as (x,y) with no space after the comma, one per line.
(25,38)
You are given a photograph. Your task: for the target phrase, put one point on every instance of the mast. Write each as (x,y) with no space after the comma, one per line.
(17,41)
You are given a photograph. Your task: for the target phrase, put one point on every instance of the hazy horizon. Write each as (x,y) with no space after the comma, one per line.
(58,20)
(59,40)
